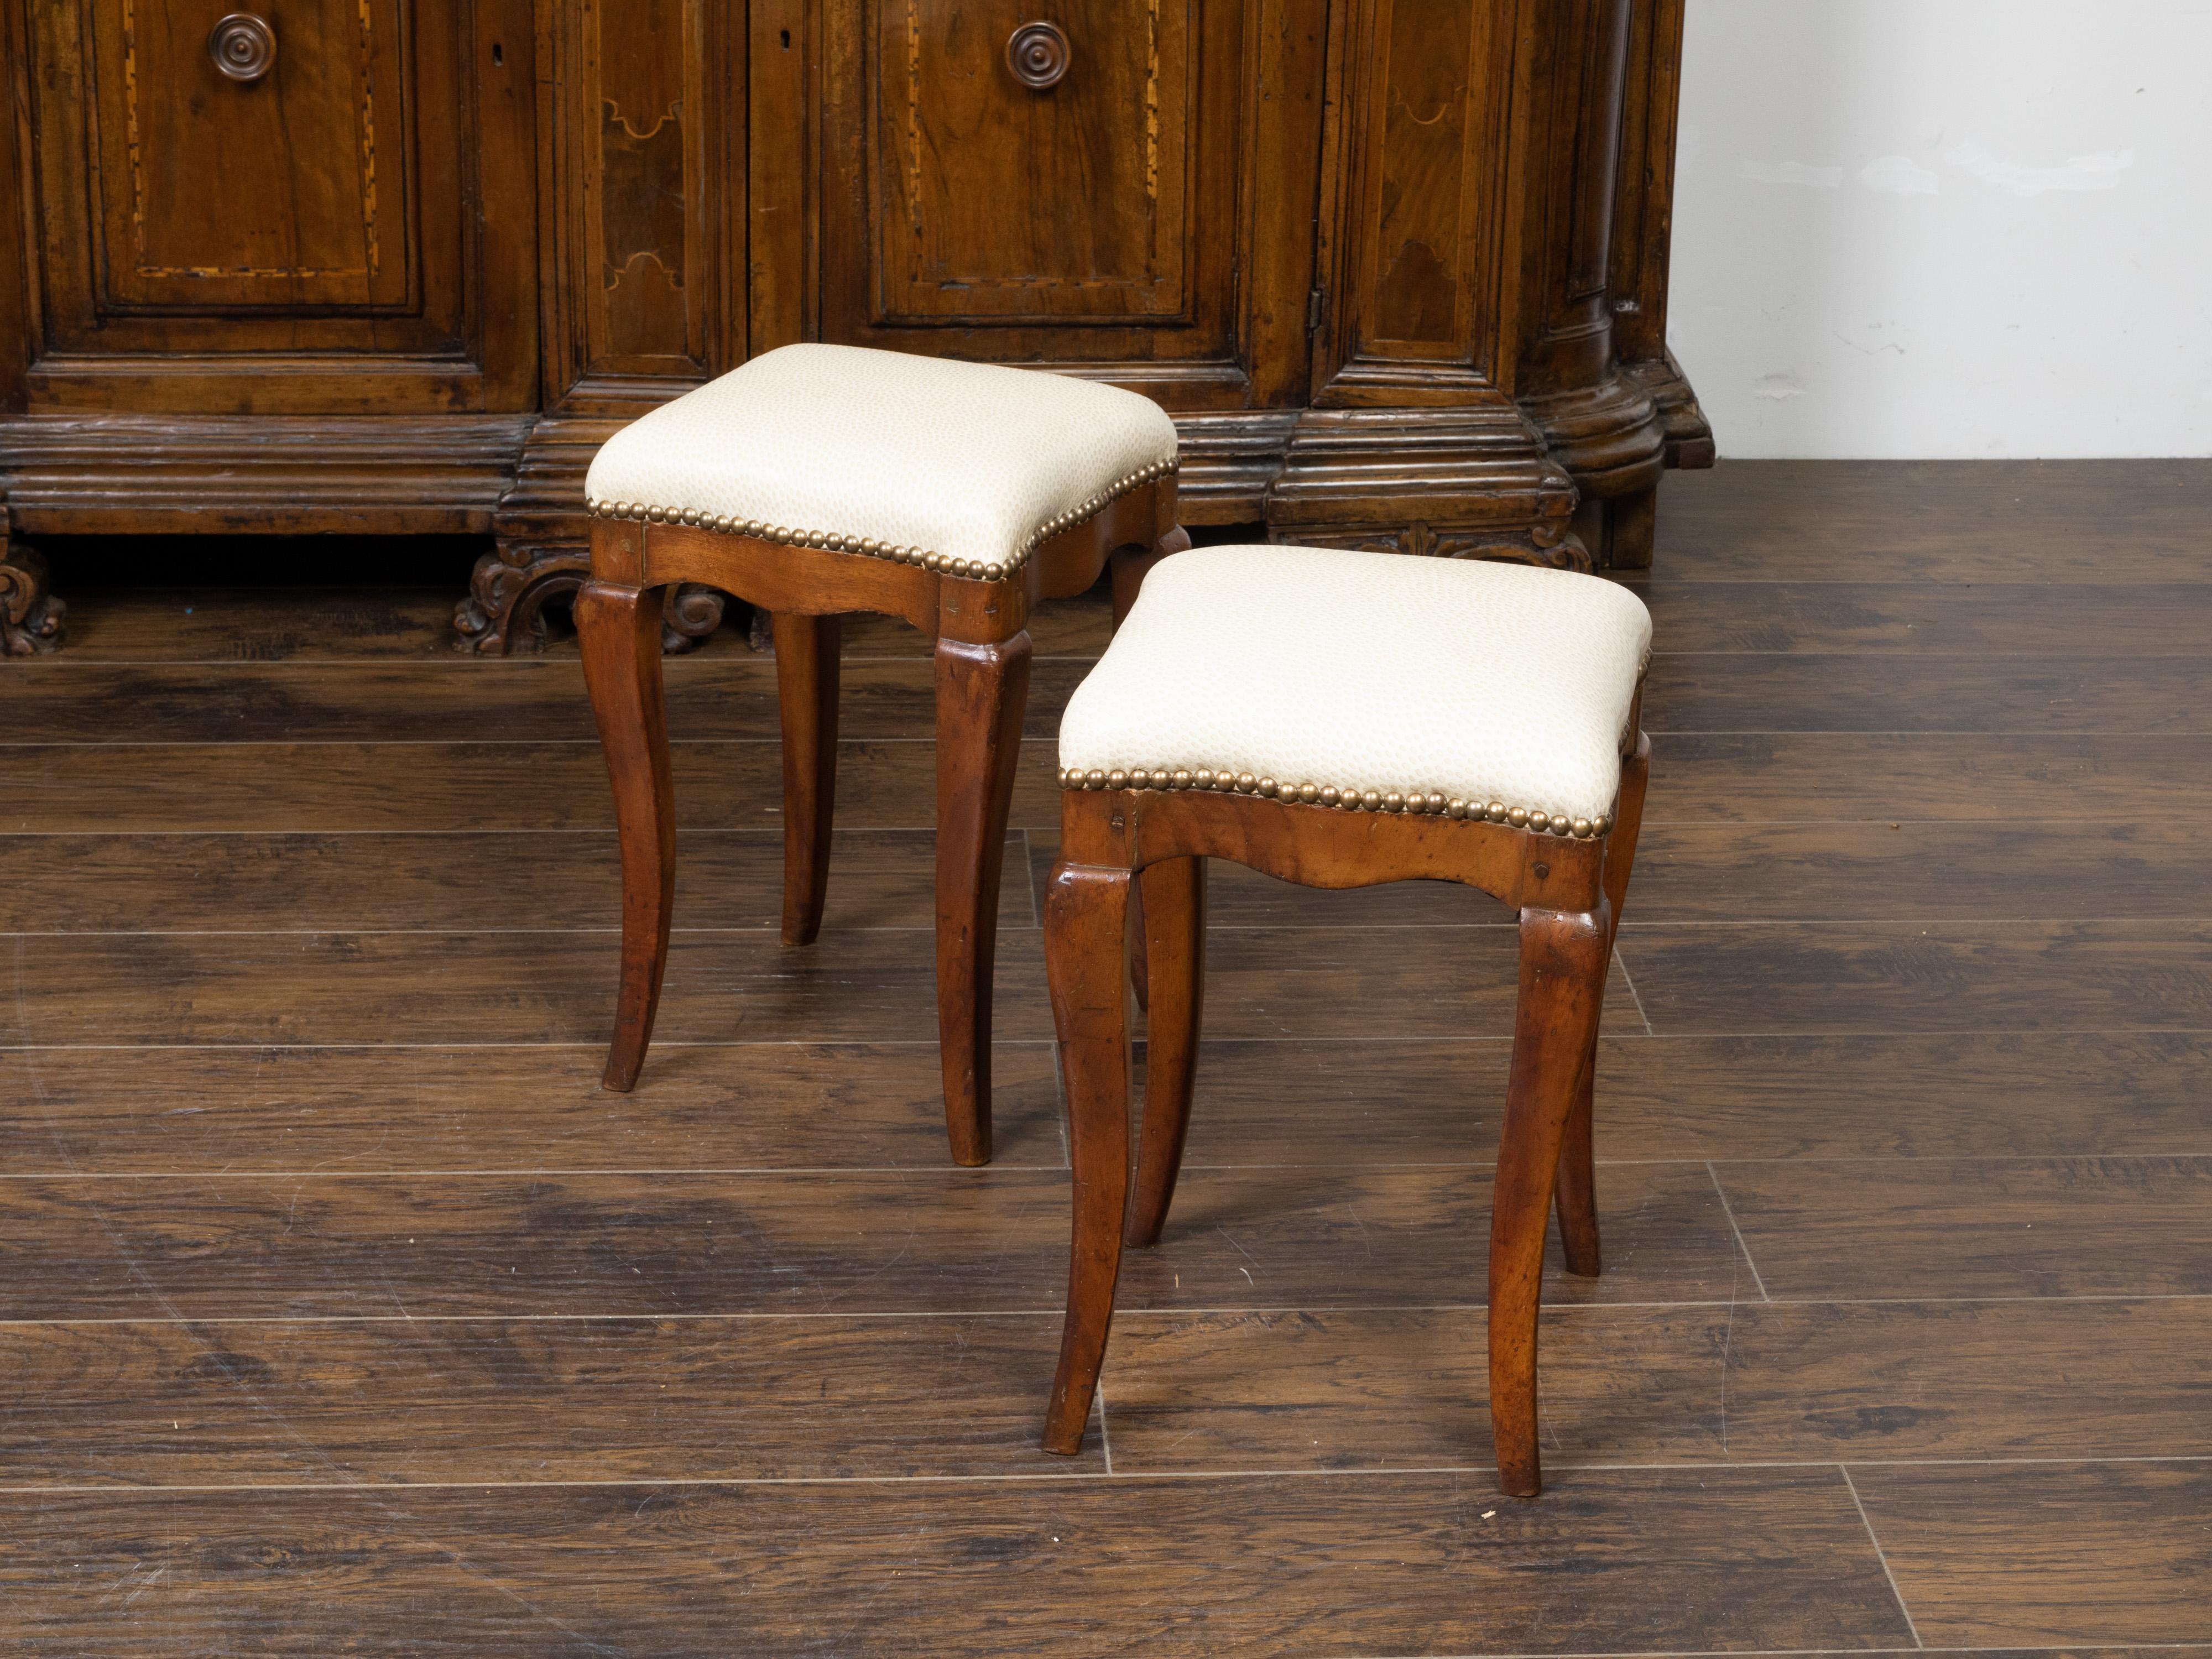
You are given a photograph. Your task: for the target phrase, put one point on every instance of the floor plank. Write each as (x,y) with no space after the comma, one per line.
(1791,872)
(913,1241)
(2048,1556)
(239,1110)
(1652,1560)
(1332,1104)
(1738,692)
(2109,1226)
(508,987)
(1890,618)
(370,787)
(1817,777)
(267,1403)
(739,986)
(2087,524)
(1747,1381)
(310,881)
(537,699)
(1842,777)
(2132,975)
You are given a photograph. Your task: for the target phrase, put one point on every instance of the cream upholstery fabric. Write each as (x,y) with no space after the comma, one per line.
(1474,681)
(883,452)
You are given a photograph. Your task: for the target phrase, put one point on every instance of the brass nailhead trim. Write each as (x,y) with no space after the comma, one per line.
(869,547)
(1410,802)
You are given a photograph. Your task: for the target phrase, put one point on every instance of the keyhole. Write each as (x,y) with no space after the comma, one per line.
(787,39)
(498,57)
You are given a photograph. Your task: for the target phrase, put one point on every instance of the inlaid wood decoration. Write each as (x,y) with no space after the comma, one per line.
(1397,267)
(977,166)
(175,229)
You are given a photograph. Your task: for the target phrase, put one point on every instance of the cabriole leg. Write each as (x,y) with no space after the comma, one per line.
(1173,923)
(1563,965)
(982,691)
(1087,928)
(618,631)
(806,650)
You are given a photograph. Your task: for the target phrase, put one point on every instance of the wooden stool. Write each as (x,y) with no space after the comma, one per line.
(1344,720)
(818,480)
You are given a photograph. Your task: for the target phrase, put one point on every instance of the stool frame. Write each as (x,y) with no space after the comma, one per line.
(1132,876)
(982,672)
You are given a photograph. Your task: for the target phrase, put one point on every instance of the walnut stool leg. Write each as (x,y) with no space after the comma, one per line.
(618,630)
(806,692)
(1563,965)
(1086,942)
(981,693)
(1174,922)
(1129,566)
(1577,1183)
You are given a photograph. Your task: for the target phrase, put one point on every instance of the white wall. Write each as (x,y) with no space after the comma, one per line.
(1947,227)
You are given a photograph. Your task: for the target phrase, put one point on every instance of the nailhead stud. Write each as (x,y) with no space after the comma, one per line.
(1371,799)
(1328,794)
(1308,794)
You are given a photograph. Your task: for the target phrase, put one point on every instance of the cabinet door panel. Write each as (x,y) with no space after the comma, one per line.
(1065,203)
(288,189)
(1148,217)
(348,228)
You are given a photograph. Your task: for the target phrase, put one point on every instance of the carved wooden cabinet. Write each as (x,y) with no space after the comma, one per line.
(1398,267)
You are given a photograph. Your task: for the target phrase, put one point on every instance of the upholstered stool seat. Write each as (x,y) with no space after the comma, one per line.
(1344,720)
(817,480)
(966,467)
(1403,683)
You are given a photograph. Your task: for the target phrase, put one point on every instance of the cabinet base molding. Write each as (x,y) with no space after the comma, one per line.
(257,474)
(1689,435)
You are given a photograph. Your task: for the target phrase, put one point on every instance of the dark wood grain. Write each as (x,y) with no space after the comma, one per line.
(2140,975)
(1806,871)
(260,1403)
(1730,692)
(2050,1555)
(1973,1181)
(730,696)
(1908,1095)
(1747,1381)
(1398,1564)
(2044,1227)
(552,986)
(491,784)
(384,1109)
(462,785)
(2091,524)
(440,988)
(1694,614)
(313,1243)
(725,878)
(1931,871)
(1857,777)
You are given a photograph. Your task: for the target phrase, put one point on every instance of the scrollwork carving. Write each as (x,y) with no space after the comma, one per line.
(31,618)
(504,611)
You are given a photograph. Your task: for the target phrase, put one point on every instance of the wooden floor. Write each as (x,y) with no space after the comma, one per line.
(344,1314)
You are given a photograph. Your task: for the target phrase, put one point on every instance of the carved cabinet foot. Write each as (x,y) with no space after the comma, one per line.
(31,617)
(505,610)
